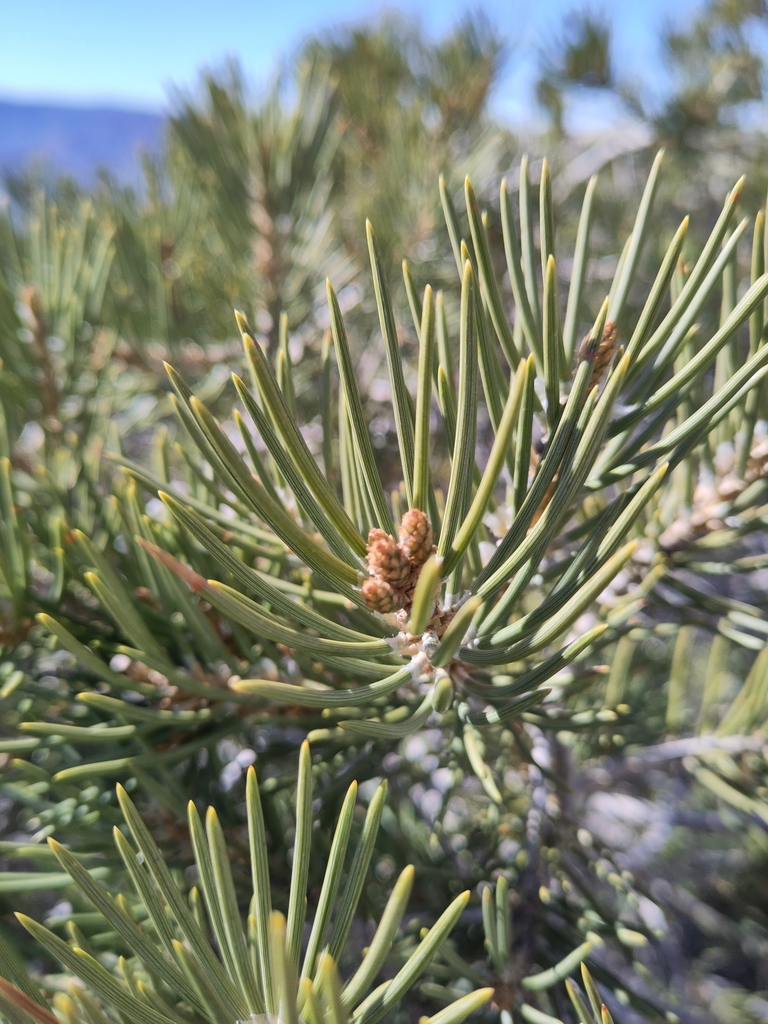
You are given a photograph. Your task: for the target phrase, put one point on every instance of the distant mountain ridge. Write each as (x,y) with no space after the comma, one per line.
(77,141)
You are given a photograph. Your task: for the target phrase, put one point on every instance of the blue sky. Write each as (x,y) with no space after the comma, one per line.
(128,52)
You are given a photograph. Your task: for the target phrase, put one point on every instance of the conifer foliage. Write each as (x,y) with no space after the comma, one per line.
(383,650)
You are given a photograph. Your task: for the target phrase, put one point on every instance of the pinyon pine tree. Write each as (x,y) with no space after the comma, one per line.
(442,668)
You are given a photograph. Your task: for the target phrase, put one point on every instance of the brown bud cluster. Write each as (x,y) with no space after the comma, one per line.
(601,354)
(394,565)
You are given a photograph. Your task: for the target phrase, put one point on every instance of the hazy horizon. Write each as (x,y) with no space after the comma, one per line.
(90,56)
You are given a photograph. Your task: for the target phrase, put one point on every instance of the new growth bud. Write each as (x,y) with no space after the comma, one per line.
(416,536)
(386,560)
(395,565)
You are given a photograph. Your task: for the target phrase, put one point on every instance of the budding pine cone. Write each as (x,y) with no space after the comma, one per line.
(380,597)
(386,561)
(416,536)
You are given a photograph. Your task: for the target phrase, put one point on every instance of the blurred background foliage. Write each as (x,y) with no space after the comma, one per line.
(651,826)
